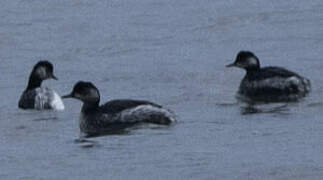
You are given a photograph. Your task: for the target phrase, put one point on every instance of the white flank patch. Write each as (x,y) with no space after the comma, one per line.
(57,102)
(41,98)
(48,99)
(293,80)
(143,111)
(302,84)
(276,82)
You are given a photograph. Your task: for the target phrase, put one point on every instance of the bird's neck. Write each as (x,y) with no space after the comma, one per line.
(90,106)
(34,82)
(253,69)
(252,74)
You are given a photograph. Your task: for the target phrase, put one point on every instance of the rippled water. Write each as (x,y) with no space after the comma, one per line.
(172,53)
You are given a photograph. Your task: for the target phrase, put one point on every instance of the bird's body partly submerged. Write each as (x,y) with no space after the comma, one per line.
(95,119)
(41,98)
(37,97)
(269,84)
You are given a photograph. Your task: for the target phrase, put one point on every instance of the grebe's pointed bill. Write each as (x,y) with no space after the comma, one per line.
(54,77)
(231,65)
(68,96)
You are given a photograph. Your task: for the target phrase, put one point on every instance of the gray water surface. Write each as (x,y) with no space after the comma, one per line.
(173,53)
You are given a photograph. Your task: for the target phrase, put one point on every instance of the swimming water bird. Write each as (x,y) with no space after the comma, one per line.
(37,97)
(95,119)
(268,84)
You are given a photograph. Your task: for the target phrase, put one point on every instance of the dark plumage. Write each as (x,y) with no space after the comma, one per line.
(116,106)
(268,84)
(37,97)
(97,119)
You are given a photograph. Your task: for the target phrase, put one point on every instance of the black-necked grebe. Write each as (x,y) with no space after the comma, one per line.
(268,84)
(37,97)
(95,119)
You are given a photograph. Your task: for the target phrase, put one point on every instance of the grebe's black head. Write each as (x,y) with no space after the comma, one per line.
(43,70)
(246,60)
(86,92)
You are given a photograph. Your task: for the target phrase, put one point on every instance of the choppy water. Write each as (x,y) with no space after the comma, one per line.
(173,53)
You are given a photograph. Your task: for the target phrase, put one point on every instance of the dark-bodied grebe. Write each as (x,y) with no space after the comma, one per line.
(37,97)
(268,84)
(95,119)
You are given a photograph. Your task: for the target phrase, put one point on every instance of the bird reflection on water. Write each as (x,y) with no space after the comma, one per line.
(254,109)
